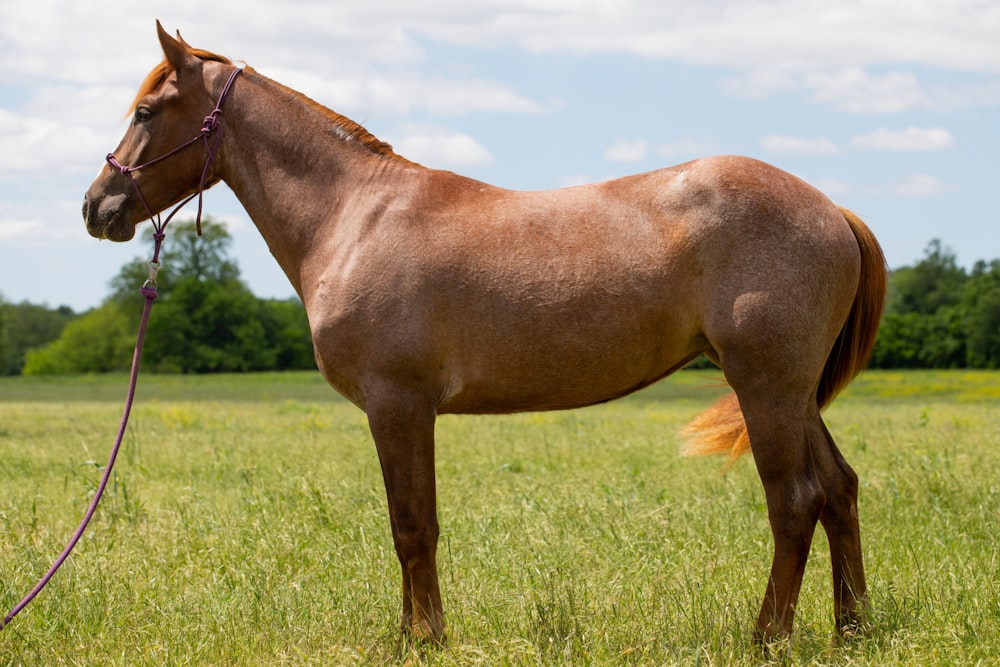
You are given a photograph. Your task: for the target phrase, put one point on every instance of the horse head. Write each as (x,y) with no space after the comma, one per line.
(174,104)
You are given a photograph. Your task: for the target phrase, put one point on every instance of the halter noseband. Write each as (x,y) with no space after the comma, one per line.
(211,123)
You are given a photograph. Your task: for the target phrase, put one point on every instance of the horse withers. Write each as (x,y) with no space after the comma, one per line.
(430,293)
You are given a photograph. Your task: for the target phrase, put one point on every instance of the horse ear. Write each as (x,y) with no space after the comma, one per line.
(174,51)
(181,40)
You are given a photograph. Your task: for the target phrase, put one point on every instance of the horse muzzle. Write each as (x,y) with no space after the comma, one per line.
(105,217)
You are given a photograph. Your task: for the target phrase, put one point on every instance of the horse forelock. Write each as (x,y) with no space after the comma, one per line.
(159,75)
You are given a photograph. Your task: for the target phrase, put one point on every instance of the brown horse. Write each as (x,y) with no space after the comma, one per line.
(431,293)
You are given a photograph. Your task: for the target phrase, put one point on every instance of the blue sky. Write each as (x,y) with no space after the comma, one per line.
(890,107)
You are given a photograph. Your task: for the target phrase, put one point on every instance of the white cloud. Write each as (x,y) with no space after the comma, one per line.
(19,230)
(365,57)
(41,222)
(951,96)
(637,150)
(627,150)
(921,185)
(783,144)
(440,148)
(30,143)
(404,92)
(913,185)
(791,36)
(856,91)
(46,39)
(235,223)
(836,188)
(908,139)
(688,148)
(759,84)
(449,97)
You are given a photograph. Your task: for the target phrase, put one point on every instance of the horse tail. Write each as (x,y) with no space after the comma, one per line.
(722,430)
(856,341)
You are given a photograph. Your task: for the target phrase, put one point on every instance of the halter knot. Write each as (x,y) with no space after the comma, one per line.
(123,169)
(211,122)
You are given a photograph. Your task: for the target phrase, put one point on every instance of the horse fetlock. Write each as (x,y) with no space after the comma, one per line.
(426,628)
(854,619)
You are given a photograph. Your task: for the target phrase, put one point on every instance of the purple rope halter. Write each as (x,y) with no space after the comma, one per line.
(149,291)
(210,124)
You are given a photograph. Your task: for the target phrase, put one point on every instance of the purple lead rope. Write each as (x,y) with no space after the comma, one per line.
(211,124)
(148,291)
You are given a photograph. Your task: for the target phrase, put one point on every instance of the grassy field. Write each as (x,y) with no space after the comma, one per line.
(247,526)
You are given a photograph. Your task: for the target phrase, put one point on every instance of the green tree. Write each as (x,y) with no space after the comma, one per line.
(205,318)
(921,327)
(184,255)
(982,315)
(206,326)
(943,345)
(3,330)
(287,328)
(97,342)
(932,283)
(27,326)
(899,340)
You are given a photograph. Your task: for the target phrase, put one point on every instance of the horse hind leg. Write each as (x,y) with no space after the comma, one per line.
(806,480)
(795,501)
(840,521)
(774,376)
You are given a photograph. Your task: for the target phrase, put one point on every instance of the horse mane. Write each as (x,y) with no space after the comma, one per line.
(345,128)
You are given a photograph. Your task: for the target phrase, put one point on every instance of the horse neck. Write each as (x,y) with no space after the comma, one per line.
(296,170)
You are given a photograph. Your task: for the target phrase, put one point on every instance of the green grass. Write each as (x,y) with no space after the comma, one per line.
(246,525)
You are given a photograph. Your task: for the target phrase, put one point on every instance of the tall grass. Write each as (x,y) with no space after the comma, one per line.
(246,525)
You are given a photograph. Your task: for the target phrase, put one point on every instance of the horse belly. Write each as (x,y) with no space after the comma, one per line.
(552,363)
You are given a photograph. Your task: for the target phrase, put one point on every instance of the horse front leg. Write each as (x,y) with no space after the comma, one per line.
(402,425)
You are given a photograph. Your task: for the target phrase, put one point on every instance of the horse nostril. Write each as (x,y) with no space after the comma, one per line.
(86,208)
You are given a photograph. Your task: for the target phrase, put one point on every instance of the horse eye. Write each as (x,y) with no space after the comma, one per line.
(142,114)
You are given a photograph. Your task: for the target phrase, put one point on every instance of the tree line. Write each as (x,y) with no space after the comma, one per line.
(205,320)
(938,315)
